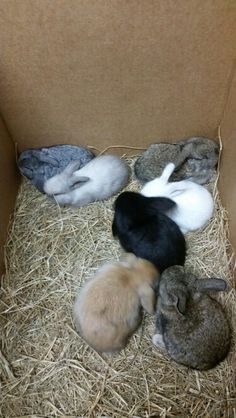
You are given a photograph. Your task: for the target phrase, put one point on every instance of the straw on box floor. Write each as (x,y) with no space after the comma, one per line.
(47,370)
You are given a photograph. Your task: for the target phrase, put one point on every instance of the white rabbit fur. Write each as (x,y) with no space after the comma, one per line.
(99,179)
(194,203)
(108,308)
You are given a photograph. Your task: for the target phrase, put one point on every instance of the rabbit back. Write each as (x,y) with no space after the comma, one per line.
(108,310)
(149,235)
(194,208)
(194,203)
(153,161)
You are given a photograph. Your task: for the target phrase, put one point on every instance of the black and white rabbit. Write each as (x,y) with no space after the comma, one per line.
(143,229)
(99,179)
(191,326)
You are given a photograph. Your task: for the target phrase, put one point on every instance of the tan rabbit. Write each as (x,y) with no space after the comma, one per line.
(108,309)
(191,326)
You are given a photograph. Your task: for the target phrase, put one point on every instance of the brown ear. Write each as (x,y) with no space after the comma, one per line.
(180,302)
(147,299)
(210,285)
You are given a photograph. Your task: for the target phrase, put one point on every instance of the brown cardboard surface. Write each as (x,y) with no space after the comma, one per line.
(8,184)
(228,162)
(114,72)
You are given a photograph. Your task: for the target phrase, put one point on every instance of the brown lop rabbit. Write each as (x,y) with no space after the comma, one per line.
(190,325)
(108,309)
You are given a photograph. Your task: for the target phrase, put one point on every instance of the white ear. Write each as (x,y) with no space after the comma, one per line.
(75,182)
(168,170)
(71,167)
(128,259)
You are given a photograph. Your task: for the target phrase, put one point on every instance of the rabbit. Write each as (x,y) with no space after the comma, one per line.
(153,161)
(143,229)
(194,204)
(99,179)
(40,164)
(108,309)
(191,326)
(195,159)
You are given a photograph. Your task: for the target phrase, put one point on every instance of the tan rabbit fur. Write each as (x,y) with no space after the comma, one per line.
(108,309)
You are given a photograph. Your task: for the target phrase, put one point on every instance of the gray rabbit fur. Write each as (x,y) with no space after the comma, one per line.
(191,326)
(40,164)
(195,159)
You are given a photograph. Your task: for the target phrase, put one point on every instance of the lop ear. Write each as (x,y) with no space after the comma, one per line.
(147,298)
(128,259)
(180,301)
(210,285)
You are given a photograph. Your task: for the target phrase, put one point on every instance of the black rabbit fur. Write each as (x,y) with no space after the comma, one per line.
(144,229)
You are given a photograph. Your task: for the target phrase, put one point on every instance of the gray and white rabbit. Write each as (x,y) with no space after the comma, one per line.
(194,204)
(195,159)
(40,164)
(101,178)
(191,326)
(108,309)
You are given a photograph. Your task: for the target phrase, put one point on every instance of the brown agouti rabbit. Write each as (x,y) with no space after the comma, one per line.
(190,325)
(108,309)
(195,159)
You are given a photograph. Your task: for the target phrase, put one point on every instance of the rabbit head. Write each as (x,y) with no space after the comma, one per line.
(173,292)
(144,270)
(143,276)
(66,181)
(176,287)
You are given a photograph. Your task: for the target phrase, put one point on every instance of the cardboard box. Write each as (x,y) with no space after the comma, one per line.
(113,73)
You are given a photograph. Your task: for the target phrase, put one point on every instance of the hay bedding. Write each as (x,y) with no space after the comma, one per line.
(47,370)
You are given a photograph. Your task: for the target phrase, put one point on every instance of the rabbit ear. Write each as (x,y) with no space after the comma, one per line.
(168,170)
(161,203)
(72,166)
(210,285)
(49,160)
(74,182)
(128,259)
(182,157)
(180,303)
(147,299)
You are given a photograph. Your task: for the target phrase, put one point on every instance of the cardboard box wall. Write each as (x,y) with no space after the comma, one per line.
(116,72)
